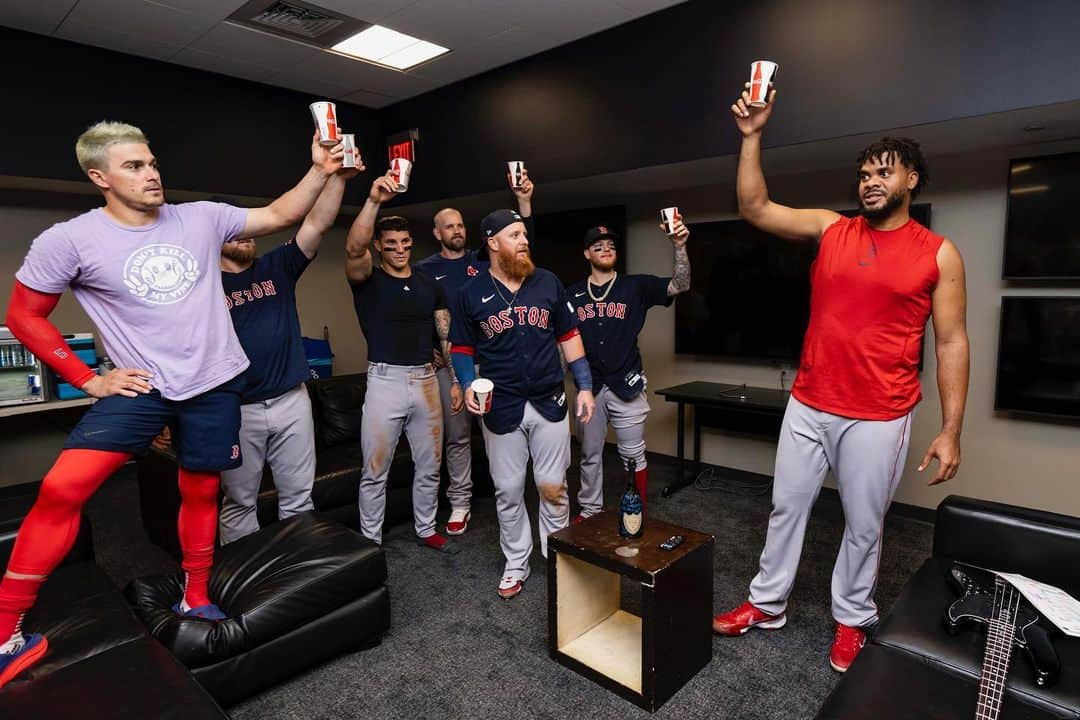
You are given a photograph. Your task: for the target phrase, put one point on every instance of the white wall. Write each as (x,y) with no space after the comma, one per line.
(1014,461)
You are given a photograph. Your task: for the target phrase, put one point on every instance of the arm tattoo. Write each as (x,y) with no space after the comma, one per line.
(680,274)
(442,327)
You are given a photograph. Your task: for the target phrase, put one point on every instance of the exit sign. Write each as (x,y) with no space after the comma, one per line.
(403,145)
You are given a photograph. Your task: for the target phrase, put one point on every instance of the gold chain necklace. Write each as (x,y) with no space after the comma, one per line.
(588,286)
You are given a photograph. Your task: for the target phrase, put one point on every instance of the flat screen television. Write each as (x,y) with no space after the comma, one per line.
(749,296)
(1042,229)
(1038,364)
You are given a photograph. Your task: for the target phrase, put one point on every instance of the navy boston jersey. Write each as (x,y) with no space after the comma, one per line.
(397,316)
(262,303)
(451,275)
(513,337)
(610,327)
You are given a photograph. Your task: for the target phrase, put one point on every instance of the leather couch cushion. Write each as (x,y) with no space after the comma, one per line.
(283,577)
(915,626)
(885,684)
(1042,545)
(133,681)
(339,403)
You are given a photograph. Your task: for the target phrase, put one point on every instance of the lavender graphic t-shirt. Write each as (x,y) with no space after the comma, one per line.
(154,292)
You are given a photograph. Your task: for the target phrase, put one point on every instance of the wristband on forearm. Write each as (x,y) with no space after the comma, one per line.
(582,374)
(462,360)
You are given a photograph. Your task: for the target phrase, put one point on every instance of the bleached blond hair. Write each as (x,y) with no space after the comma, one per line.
(90,148)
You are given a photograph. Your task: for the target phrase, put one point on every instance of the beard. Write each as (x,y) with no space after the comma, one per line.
(515,266)
(603,265)
(892,202)
(455,243)
(242,253)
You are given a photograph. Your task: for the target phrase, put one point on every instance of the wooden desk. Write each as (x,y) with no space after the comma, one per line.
(750,410)
(643,659)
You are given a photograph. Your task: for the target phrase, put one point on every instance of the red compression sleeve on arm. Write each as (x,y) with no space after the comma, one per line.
(28,320)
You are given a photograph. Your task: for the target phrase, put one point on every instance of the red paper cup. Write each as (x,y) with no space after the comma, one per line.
(667,219)
(324,113)
(482,388)
(401,168)
(762,75)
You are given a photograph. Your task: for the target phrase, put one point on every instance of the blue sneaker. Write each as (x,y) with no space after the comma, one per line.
(203,612)
(13,663)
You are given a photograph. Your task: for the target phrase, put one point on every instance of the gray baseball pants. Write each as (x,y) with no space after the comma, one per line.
(548,443)
(279,432)
(867,458)
(400,397)
(457,430)
(628,420)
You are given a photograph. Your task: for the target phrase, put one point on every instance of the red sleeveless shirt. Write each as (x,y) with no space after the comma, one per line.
(869,303)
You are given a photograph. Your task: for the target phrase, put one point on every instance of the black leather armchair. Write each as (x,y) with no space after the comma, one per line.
(914,669)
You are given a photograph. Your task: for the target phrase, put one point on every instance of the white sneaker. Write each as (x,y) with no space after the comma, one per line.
(458,522)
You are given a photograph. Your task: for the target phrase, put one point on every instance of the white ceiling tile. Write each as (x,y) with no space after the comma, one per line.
(647,7)
(558,17)
(223,65)
(499,50)
(138,17)
(40,16)
(141,44)
(358,75)
(315,87)
(251,46)
(370,10)
(451,23)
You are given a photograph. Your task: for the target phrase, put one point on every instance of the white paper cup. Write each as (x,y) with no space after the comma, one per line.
(762,74)
(348,143)
(667,219)
(324,113)
(517,170)
(401,168)
(482,388)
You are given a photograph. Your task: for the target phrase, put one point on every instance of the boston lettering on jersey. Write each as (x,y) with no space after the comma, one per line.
(610,327)
(257,291)
(516,347)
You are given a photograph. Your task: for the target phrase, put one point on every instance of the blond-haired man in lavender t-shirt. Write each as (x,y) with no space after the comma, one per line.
(146,272)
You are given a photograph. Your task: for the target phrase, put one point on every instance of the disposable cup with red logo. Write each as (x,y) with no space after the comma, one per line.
(400,169)
(667,219)
(324,113)
(482,388)
(517,173)
(348,144)
(762,75)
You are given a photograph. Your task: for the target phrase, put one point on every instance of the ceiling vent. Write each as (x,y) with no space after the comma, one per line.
(298,21)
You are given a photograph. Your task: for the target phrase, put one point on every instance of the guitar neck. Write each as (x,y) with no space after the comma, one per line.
(1000,632)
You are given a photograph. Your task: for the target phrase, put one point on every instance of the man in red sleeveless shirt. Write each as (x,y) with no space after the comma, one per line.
(876,280)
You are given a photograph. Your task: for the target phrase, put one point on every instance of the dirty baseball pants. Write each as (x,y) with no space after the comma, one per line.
(400,398)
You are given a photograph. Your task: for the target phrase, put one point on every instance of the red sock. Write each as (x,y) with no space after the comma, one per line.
(197,526)
(49,530)
(641,482)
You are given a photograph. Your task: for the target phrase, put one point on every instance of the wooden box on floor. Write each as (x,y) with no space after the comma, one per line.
(644,659)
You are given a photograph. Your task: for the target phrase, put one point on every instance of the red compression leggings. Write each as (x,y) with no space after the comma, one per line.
(49,530)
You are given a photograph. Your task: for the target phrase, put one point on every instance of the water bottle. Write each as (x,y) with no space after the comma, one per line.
(631,510)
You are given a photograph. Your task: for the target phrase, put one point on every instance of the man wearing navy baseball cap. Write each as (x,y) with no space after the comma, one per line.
(511,321)
(611,311)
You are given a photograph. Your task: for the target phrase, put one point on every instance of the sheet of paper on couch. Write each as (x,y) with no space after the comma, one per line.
(1058,606)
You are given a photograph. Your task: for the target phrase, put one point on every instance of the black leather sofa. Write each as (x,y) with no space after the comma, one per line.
(914,669)
(101,662)
(337,405)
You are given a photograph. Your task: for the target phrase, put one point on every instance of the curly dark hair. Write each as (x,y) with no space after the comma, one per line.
(906,150)
(390,223)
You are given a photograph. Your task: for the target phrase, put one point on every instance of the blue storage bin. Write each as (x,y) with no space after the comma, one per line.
(319,357)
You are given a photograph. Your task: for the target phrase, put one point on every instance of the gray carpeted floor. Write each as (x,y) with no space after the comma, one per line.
(455,650)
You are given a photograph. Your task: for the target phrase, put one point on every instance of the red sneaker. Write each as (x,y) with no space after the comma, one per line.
(744,617)
(845,647)
(458,522)
(578,519)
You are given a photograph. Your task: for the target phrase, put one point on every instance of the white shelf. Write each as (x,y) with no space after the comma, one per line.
(613,648)
(10,410)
